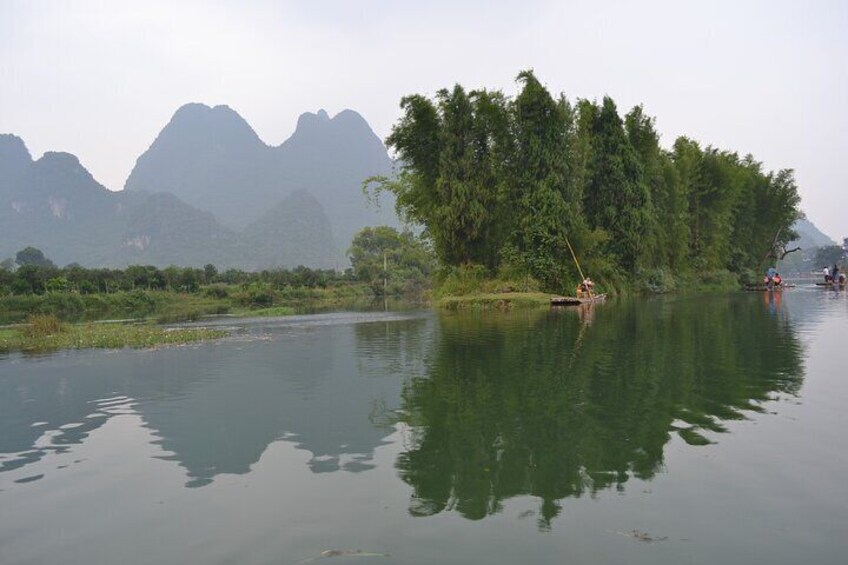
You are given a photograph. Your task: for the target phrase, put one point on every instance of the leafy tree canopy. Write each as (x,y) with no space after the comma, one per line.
(32,256)
(508,183)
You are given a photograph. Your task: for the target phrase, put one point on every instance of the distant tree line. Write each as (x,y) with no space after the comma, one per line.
(387,260)
(43,277)
(829,255)
(508,183)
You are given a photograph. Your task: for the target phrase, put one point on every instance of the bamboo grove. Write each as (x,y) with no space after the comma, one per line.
(503,182)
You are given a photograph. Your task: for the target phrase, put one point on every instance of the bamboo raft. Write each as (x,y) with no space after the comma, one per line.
(574,301)
(765,288)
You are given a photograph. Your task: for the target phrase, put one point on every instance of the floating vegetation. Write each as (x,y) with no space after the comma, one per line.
(47,333)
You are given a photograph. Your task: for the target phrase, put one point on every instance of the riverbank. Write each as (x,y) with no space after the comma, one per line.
(168,307)
(47,333)
(471,288)
(495,301)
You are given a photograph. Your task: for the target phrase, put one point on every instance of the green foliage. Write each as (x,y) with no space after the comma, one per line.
(546,201)
(390,261)
(46,333)
(272,311)
(32,256)
(473,279)
(616,198)
(217,290)
(42,326)
(658,281)
(57,284)
(508,183)
(496,301)
(462,279)
(169,295)
(255,294)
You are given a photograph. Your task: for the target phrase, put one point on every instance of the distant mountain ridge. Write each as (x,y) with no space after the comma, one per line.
(207,191)
(56,205)
(211,158)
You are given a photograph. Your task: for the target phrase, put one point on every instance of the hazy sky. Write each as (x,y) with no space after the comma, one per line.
(100,78)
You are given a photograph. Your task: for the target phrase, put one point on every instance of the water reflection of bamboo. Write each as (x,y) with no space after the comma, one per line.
(511,409)
(586,314)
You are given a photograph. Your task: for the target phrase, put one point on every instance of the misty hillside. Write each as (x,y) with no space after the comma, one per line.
(809,236)
(294,232)
(212,159)
(56,205)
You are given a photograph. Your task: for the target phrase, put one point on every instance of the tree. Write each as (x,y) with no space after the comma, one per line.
(446,183)
(616,198)
(34,257)
(382,253)
(668,225)
(505,184)
(830,255)
(29,279)
(546,201)
(465,198)
(57,284)
(210,271)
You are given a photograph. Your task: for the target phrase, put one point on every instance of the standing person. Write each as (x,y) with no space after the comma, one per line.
(586,288)
(834,273)
(826,272)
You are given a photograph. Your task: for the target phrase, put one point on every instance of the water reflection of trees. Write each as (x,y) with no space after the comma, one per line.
(548,406)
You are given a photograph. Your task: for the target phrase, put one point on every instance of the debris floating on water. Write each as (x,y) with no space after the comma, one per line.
(645,537)
(327,553)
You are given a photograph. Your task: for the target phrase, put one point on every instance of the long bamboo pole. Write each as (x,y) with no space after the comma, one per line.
(579,270)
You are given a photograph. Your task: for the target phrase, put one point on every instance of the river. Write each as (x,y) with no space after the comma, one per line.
(687,429)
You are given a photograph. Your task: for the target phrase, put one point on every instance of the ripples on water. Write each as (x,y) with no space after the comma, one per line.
(658,418)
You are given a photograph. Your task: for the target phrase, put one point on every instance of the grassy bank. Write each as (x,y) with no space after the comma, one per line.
(75,307)
(47,333)
(168,307)
(495,301)
(472,287)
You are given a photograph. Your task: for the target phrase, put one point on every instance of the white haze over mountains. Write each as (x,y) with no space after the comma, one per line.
(207,191)
(98,78)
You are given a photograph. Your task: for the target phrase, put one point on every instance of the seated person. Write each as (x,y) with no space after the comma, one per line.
(585,288)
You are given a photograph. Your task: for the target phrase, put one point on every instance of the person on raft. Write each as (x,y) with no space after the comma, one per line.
(826,272)
(585,288)
(772,278)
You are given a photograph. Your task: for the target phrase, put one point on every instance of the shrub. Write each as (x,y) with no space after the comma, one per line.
(256,294)
(658,281)
(42,325)
(463,279)
(218,291)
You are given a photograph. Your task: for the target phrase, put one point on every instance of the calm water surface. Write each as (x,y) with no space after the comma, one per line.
(706,429)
